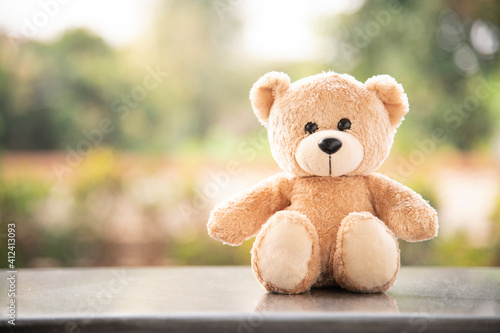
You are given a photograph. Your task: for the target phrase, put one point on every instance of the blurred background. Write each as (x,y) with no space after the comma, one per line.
(122,123)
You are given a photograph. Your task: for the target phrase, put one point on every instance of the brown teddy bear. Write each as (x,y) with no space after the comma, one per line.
(329,220)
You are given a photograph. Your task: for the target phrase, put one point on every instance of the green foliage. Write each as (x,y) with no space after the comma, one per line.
(51,92)
(458,250)
(417,42)
(201,250)
(18,201)
(17,197)
(416,253)
(495,222)
(495,216)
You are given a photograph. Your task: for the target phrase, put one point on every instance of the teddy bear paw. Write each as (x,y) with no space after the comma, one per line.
(285,256)
(367,255)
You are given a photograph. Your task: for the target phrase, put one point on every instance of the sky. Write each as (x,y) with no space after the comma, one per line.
(47,19)
(269,33)
(266,34)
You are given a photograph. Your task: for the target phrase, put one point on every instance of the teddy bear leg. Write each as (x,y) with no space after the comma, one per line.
(366,256)
(285,254)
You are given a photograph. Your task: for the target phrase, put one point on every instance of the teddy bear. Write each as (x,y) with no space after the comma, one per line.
(328,220)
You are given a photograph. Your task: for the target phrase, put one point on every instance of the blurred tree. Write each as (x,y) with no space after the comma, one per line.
(56,91)
(52,93)
(442,52)
(192,42)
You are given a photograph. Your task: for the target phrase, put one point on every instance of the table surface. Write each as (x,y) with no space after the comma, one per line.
(228,298)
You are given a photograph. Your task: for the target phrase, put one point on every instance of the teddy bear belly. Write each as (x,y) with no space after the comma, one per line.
(326,204)
(327,224)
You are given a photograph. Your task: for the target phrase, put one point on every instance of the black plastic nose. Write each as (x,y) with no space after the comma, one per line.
(330,145)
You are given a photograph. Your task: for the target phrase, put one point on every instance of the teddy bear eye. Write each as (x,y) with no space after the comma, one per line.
(311,127)
(344,124)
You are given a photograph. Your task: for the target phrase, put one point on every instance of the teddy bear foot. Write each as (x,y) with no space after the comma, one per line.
(367,254)
(285,254)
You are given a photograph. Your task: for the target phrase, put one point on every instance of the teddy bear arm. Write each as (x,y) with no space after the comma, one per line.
(241,217)
(404,211)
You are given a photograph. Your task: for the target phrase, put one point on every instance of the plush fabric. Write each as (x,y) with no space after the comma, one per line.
(332,221)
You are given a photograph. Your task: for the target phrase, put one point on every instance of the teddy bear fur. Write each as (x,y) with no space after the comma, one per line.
(328,220)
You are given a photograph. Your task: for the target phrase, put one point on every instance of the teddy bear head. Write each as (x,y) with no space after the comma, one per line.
(329,124)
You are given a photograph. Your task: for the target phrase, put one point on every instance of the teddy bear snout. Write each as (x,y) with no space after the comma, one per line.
(330,145)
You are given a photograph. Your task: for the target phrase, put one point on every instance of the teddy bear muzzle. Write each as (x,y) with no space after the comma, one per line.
(329,153)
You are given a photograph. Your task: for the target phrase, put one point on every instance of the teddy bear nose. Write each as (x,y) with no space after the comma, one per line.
(330,145)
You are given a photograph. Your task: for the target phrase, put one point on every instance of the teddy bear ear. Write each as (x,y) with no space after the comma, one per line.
(391,93)
(265,91)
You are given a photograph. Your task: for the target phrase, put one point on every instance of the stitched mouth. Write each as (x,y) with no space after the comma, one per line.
(329,165)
